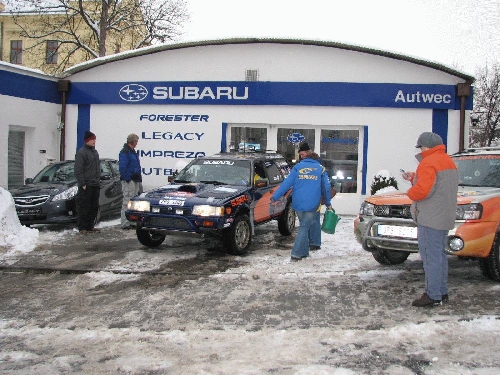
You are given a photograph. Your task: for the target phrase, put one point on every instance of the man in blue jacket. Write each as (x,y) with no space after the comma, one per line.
(310,183)
(130,174)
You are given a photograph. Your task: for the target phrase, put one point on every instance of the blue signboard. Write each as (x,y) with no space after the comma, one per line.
(340,94)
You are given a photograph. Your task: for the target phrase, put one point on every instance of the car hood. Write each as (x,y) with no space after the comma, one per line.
(41,189)
(466,195)
(196,193)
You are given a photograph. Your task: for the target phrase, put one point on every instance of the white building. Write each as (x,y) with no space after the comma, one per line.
(360,109)
(30,109)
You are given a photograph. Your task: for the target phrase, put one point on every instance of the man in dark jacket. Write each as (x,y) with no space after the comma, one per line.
(434,195)
(87,172)
(130,174)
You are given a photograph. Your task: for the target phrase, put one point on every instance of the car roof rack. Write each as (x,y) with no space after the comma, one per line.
(479,149)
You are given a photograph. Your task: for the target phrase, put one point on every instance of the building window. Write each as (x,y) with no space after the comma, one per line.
(51,52)
(16,51)
(339,152)
(248,139)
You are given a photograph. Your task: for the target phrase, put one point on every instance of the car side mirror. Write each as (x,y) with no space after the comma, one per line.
(105,176)
(28,181)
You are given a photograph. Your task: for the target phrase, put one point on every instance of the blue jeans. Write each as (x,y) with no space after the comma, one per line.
(315,231)
(301,245)
(431,245)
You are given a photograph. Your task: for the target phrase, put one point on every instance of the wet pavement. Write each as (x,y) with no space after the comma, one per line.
(107,281)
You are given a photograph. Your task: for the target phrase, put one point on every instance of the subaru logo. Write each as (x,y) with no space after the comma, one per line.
(133,92)
(295,138)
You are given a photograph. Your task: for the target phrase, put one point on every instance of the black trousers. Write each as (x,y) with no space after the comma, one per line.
(88,206)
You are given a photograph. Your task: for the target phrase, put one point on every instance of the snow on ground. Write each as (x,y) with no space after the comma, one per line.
(417,342)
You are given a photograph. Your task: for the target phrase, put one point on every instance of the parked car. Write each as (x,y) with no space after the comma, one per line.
(50,196)
(385,228)
(224,195)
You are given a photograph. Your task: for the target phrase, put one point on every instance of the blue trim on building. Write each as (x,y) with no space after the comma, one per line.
(440,124)
(365,160)
(28,87)
(82,124)
(223,142)
(339,94)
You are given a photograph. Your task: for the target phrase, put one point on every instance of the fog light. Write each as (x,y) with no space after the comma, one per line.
(455,243)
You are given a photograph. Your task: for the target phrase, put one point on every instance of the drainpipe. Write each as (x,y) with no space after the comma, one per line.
(1,39)
(63,86)
(463,91)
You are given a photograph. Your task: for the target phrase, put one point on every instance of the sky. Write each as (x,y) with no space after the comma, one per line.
(201,349)
(464,35)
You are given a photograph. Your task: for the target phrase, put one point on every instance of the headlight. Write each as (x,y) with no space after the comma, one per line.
(472,211)
(143,206)
(205,210)
(366,209)
(66,194)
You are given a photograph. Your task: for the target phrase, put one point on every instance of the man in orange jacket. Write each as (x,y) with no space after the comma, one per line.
(434,195)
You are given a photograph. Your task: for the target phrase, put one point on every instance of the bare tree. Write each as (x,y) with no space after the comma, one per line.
(485,118)
(86,29)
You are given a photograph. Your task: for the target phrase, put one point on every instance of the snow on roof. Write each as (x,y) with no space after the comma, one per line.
(23,69)
(249,40)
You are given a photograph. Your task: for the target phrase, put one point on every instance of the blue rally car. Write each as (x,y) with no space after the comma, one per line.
(224,195)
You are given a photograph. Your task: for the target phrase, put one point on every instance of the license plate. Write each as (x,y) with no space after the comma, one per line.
(29,211)
(397,231)
(172,202)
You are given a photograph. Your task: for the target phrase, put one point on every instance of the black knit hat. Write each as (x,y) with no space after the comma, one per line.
(304,147)
(88,136)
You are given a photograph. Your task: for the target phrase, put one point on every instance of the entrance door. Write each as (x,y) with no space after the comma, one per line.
(15,164)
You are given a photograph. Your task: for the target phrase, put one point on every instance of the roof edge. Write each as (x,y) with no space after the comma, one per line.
(189,44)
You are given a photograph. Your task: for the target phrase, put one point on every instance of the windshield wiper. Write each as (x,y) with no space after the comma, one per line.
(213,182)
(182,181)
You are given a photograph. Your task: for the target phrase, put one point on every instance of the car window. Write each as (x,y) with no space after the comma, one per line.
(115,167)
(479,170)
(56,173)
(232,172)
(105,168)
(273,172)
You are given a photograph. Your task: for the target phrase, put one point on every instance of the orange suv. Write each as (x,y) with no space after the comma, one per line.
(385,228)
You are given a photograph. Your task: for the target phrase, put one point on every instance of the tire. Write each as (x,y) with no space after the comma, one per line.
(492,262)
(484,266)
(389,257)
(286,221)
(149,238)
(238,237)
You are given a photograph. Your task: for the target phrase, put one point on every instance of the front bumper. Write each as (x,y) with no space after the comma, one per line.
(477,236)
(366,233)
(180,223)
(58,212)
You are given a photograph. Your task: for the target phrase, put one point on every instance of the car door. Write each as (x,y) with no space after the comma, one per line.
(263,209)
(110,199)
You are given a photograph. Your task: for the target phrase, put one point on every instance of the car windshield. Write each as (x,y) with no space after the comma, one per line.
(217,171)
(56,173)
(478,170)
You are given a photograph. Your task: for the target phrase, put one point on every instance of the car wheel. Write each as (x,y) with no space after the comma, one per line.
(388,257)
(484,266)
(286,221)
(149,238)
(492,262)
(238,237)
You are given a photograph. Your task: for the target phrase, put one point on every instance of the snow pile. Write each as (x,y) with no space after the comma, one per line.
(13,235)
